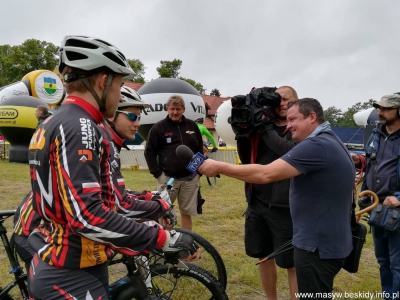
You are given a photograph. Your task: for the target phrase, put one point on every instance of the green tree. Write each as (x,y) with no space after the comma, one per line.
(215,92)
(169,69)
(5,50)
(17,61)
(139,69)
(197,85)
(347,118)
(333,115)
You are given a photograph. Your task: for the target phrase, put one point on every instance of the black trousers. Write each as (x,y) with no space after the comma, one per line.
(315,275)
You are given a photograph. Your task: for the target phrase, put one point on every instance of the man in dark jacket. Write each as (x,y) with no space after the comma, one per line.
(268,223)
(42,113)
(382,177)
(163,139)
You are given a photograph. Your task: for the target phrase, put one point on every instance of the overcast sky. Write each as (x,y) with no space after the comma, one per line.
(339,52)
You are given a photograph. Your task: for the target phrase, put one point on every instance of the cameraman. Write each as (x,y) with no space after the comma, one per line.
(268,222)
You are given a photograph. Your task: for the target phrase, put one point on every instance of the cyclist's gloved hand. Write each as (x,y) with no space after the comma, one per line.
(180,242)
(170,216)
(148,196)
(214,150)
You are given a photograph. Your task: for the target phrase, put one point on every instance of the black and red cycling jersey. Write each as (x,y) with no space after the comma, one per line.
(126,201)
(73,189)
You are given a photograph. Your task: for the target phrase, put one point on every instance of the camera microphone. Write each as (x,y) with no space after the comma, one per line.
(195,160)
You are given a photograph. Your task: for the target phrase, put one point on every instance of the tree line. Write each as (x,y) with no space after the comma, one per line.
(337,118)
(17,61)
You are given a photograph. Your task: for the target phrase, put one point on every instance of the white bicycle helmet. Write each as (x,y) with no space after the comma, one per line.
(129,98)
(89,53)
(92,54)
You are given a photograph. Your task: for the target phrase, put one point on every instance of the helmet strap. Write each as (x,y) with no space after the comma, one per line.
(107,126)
(101,102)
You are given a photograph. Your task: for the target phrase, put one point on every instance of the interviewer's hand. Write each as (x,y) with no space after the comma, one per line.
(210,168)
(355,158)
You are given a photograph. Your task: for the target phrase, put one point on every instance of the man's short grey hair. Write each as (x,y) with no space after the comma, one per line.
(176,100)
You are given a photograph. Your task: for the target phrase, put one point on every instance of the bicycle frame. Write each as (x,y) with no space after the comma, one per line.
(165,196)
(16,269)
(138,282)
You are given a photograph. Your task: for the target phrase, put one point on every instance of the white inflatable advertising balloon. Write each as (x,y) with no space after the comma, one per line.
(42,84)
(222,127)
(366,117)
(157,92)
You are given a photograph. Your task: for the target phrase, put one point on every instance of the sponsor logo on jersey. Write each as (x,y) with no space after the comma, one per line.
(87,133)
(86,155)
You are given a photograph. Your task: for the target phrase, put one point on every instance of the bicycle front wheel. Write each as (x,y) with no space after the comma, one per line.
(191,283)
(210,259)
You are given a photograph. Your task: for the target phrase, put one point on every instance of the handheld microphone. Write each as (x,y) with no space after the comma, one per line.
(195,160)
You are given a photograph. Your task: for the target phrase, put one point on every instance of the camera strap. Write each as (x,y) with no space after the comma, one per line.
(253,153)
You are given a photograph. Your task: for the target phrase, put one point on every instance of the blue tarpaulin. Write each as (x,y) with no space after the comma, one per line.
(350,135)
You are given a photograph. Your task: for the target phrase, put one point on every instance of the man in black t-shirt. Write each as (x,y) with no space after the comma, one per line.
(268,223)
(321,191)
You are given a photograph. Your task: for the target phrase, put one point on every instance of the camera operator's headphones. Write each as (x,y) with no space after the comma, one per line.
(398,111)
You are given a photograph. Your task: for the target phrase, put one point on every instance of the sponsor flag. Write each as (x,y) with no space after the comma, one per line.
(50,85)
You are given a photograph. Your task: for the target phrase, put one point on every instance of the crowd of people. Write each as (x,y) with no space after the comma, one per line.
(299,183)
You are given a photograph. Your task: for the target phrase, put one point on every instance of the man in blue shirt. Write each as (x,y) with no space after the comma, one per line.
(320,198)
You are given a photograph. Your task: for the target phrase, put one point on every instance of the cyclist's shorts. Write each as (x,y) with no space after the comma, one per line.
(266,229)
(48,282)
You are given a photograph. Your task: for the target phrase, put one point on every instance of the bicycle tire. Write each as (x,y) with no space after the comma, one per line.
(210,259)
(188,283)
(212,181)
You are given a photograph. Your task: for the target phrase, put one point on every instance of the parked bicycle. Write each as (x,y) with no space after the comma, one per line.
(155,276)
(15,268)
(210,259)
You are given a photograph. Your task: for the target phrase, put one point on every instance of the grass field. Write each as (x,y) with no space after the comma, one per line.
(221,223)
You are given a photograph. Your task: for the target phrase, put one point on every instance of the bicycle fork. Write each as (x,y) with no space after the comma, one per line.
(144,271)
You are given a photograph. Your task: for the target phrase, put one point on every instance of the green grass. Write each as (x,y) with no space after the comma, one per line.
(222,224)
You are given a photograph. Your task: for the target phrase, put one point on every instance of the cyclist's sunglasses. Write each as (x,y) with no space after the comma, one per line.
(131,116)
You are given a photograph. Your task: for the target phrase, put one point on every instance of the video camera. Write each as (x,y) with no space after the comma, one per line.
(252,111)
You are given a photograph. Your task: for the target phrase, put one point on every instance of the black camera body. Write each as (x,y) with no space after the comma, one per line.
(252,111)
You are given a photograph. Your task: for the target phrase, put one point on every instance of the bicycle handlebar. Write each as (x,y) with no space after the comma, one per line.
(170,181)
